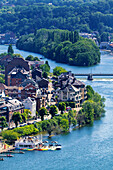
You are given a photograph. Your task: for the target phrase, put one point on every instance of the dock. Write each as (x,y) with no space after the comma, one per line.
(4,155)
(7,150)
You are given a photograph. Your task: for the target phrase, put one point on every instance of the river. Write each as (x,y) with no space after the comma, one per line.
(89,148)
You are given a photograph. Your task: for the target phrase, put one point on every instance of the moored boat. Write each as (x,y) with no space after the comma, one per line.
(27,143)
(1,159)
(44,146)
(33,143)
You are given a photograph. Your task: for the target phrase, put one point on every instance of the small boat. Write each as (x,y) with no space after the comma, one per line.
(18,152)
(48,147)
(9,155)
(1,159)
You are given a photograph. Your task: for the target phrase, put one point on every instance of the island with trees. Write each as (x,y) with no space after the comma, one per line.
(62,46)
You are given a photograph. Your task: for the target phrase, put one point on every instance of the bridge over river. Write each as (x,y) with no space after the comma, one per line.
(91,75)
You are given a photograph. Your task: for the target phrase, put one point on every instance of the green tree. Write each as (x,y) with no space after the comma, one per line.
(76,36)
(10,49)
(27,112)
(89,113)
(3,122)
(45,74)
(58,70)
(29,57)
(2,80)
(10,136)
(16,118)
(104,37)
(62,107)
(45,68)
(36,59)
(72,117)
(64,124)
(51,126)
(47,64)
(42,112)
(90,92)
(53,110)
(24,117)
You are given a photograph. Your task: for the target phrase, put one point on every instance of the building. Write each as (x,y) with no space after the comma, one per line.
(17,76)
(8,106)
(43,83)
(11,91)
(71,89)
(104,45)
(41,101)
(69,93)
(36,72)
(30,104)
(21,66)
(35,64)
(30,89)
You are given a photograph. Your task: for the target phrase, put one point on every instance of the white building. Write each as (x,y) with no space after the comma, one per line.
(30,104)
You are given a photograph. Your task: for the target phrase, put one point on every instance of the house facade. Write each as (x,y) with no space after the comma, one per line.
(8,106)
(69,93)
(30,104)
(15,67)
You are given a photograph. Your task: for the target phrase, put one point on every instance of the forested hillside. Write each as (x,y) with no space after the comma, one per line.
(22,17)
(62,46)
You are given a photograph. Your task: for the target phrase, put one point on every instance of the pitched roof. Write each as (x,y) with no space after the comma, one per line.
(29,81)
(78,83)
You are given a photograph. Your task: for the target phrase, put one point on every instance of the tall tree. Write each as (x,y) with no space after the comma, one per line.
(42,112)
(3,122)
(16,118)
(62,106)
(10,49)
(53,110)
(76,36)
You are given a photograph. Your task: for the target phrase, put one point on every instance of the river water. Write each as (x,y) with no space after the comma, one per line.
(88,148)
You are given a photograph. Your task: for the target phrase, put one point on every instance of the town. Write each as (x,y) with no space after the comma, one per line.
(26,90)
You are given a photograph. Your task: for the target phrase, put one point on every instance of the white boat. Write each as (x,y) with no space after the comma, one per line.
(27,143)
(33,143)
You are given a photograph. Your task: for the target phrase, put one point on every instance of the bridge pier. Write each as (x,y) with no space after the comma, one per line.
(90,77)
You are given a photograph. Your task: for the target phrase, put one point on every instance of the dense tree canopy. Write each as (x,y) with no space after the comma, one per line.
(81,15)
(62,46)
(58,70)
